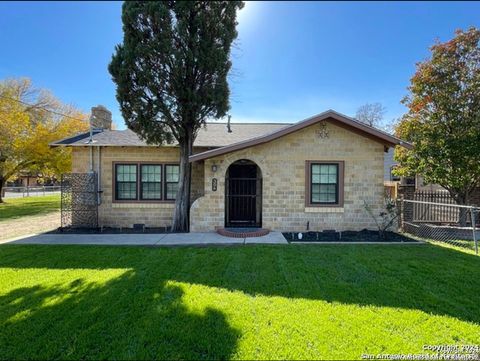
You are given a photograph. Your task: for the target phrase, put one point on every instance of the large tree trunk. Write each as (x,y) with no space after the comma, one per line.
(181,216)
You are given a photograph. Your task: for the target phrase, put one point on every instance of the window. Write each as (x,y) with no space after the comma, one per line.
(151,185)
(324,183)
(171,181)
(146,182)
(126,181)
(393,177)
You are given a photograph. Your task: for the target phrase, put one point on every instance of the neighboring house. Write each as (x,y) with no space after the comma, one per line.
(25,179)
(417,182)
(317,173)
(389,165)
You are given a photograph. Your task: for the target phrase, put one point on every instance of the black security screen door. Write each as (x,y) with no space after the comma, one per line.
(243,195)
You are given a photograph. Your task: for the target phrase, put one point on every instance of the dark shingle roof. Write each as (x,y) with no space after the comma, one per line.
(213,135)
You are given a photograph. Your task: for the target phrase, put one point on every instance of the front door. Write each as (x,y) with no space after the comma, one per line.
(243,196)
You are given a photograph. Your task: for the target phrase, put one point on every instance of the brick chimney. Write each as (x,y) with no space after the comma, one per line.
(101,118)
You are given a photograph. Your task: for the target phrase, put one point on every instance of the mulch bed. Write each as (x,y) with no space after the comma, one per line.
(346,236)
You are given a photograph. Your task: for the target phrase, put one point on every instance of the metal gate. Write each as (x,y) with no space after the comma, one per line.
(243,202)
(79,203)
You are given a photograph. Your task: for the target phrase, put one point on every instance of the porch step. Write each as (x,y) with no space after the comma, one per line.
(243,232)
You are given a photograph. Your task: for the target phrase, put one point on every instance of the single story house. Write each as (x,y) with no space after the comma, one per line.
(316,174)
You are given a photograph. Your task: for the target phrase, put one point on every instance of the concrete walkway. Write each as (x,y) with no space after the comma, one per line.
(139,239)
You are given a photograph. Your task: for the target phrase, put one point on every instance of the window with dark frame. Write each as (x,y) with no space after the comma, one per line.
(172,172)
(151,181)
(146,182)
(324,180)
(126,181)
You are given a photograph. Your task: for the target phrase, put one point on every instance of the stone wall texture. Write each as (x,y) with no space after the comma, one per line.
(282,163)
(113,214)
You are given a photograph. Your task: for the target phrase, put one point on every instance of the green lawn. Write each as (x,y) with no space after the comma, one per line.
(29,206)
(246,302)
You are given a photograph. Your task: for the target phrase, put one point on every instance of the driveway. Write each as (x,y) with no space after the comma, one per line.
(170,239)
(28,225)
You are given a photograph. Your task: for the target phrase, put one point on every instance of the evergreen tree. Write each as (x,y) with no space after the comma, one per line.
(171,75)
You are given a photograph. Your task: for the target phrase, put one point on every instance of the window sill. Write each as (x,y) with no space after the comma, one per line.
(324,209)
(159,204)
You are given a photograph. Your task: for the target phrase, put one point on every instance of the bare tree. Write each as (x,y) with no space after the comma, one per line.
(371,114)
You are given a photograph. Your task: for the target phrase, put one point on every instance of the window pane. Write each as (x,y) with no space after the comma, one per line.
(151,190)
(172,190)
(172,172)
(151,173)
(127,190)
(324,168)
(327,198)
(133,174)
(327,188)
(323,197)
(126,173)
(324,173)
(315,192)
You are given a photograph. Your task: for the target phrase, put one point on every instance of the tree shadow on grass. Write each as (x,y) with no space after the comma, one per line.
(129,317)
(140,324)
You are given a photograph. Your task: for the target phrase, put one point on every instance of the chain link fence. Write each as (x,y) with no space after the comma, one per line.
(21,192)
(442,222)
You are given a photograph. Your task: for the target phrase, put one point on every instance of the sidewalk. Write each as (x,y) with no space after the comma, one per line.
(139,239)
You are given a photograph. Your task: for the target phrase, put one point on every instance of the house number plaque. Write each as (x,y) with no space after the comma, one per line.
(214,184)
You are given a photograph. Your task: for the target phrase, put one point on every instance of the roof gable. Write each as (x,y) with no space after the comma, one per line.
(340,119)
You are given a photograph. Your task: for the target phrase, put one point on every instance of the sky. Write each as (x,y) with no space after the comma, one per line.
(291,60)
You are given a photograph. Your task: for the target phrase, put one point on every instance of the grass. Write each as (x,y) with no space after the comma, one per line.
(14,208)
(249,302)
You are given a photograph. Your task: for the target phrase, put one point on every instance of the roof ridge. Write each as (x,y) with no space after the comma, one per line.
(252,123)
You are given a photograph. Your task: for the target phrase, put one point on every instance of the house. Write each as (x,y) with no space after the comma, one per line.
(316,174)
(30,179)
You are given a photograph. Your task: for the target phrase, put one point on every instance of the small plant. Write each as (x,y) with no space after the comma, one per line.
(386,218)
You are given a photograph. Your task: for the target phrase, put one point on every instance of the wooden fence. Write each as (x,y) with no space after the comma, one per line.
(432,213)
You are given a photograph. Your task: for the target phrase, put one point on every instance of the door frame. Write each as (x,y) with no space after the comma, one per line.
(258,196)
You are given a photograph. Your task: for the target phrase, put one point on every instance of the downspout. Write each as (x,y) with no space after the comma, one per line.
(99,178)
(90,141)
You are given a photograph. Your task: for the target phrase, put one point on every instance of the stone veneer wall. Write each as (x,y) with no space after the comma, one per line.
(282,163)
(126,214)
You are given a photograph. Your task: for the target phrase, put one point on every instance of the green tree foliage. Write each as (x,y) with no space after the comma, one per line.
(171,75)
(29,120)
(443,121)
